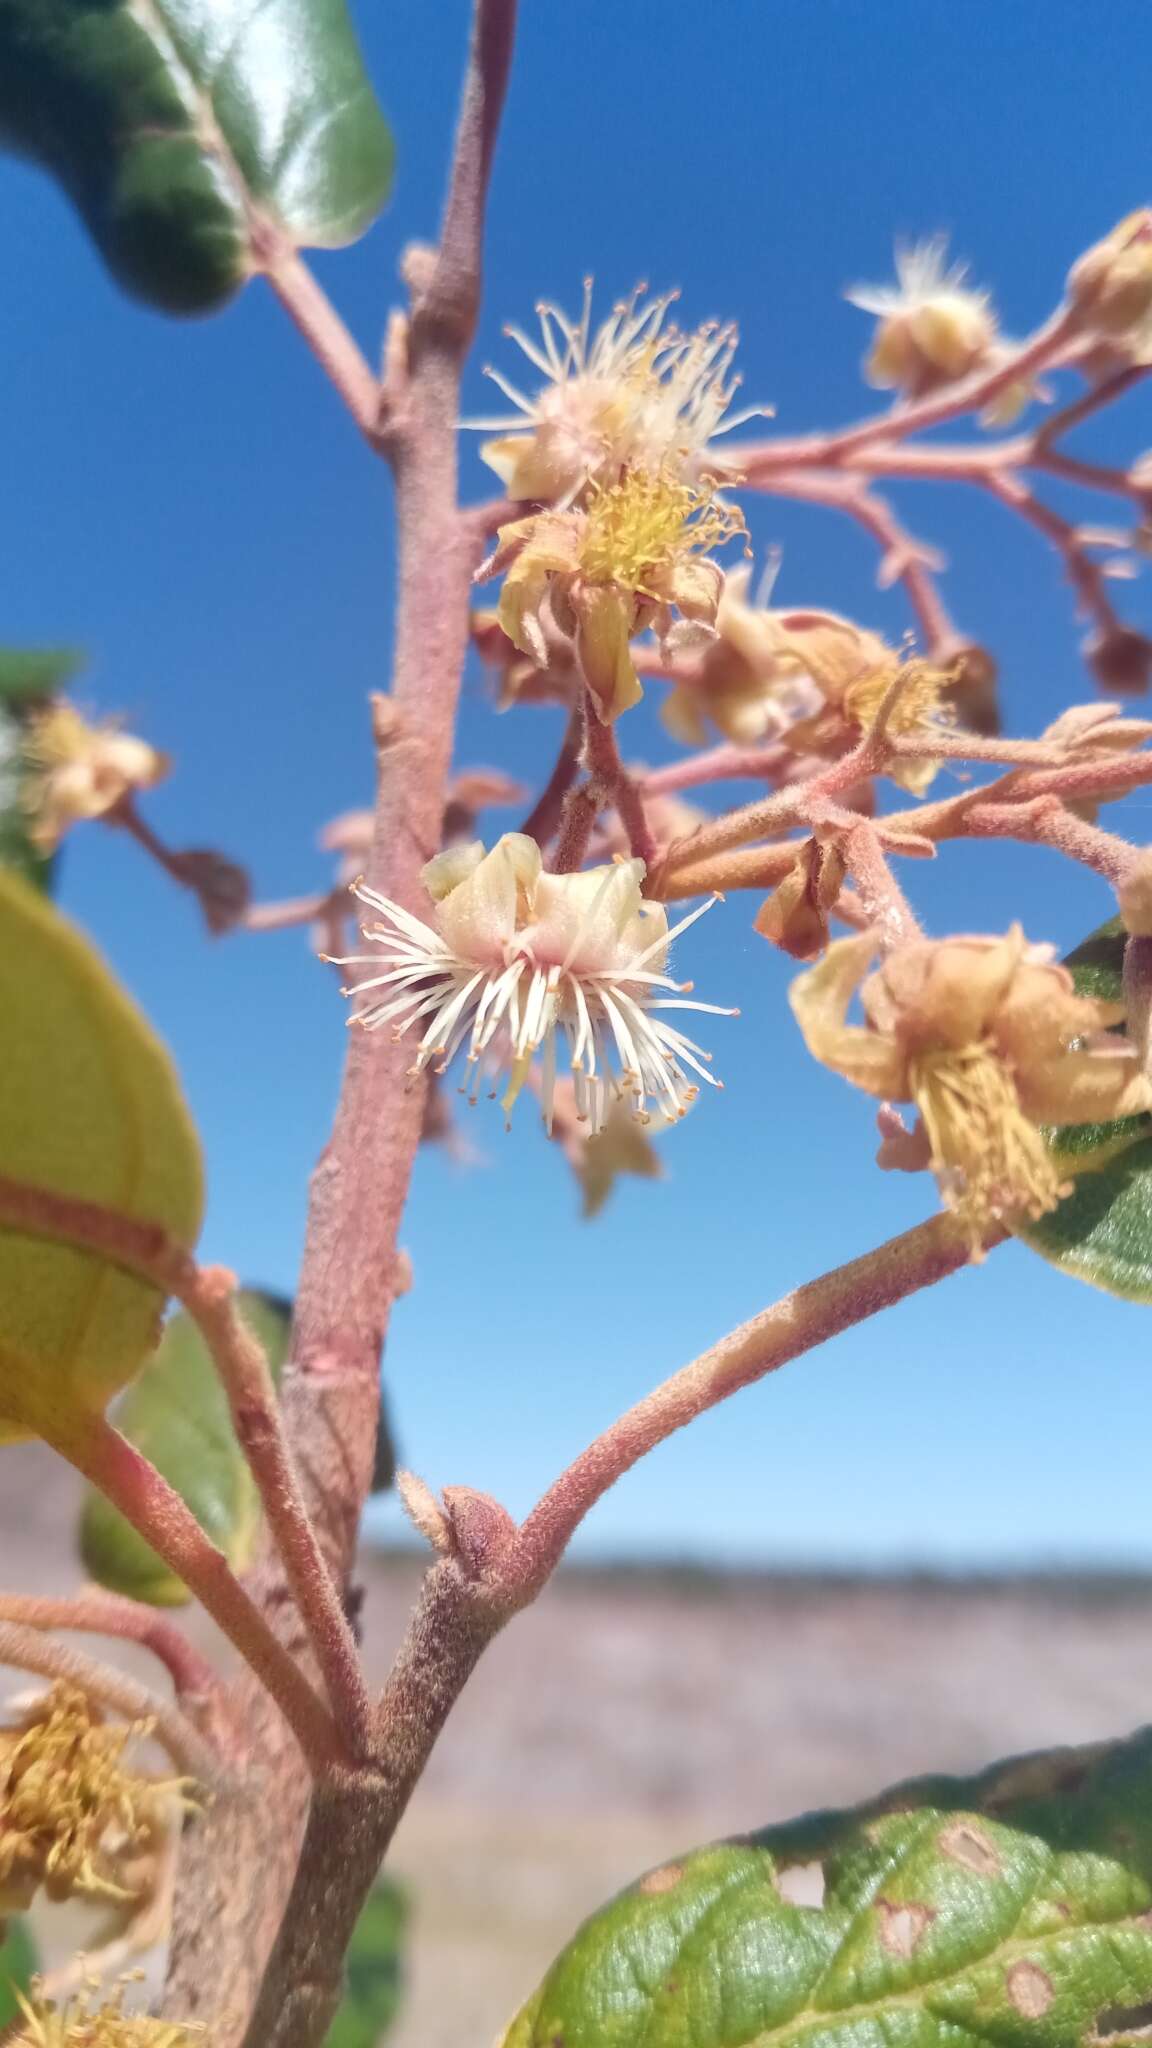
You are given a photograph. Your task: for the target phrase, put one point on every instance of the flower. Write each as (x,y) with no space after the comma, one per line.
(516,959)
(738,681)
(82,771)
(989,1039)
(856,673)
(933,328)
(638,394)
(70,1813)
(623,563)
(81,2023)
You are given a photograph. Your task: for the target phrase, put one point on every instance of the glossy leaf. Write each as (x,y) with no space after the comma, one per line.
(374,1972)
(1010,1910)
(19,1963)
(90,1106)
(177,1414)
(29,677)
(192,134)
(1102,1231)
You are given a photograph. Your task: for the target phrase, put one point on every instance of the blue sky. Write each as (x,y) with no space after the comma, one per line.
(188,502)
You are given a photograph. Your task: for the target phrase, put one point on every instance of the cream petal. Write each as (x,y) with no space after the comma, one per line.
(820,1000)
(478,920)
(445,871)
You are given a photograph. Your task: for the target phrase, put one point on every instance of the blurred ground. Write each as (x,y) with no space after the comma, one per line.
(634,1713)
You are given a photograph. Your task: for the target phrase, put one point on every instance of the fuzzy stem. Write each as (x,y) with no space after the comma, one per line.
(794,1325)
(29,1649)
(316,318)
(353,1819)
(543,819)
(239,1359)
(106,1614)
(145,1499)
(240,1865)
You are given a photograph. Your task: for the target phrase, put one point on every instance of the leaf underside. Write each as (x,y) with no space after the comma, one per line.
(176,1413)
(1009,1910)
(188,132)
(90,1107)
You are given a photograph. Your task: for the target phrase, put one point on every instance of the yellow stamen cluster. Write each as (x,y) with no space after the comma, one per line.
(70,1813)
(917,705)
(991,1160)
(645,524)
(81,2023)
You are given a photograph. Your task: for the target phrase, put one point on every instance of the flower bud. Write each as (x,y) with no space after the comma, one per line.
(972,678)
(1111,284)
(1120,658)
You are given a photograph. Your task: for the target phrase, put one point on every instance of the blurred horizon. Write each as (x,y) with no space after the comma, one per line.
(188,502)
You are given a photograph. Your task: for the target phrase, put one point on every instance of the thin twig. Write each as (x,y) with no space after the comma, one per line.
(316,318)
(30,1649)
(106,1614)
(794,1325)
(210,1297)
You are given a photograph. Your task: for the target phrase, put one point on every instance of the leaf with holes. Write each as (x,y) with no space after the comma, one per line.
(199,139)
(1010,1910)
(29,677)
(1102,1231)
(176,1413)
(374,1972)
(90,1107)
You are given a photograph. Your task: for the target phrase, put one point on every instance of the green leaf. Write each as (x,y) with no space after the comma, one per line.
(176,1413)
(374,1972)
(29,677)
(1010,1910)
(195,135)
(1102,1231)
(19,1963)
(90,1107)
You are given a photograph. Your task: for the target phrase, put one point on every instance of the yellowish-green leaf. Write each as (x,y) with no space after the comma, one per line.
(90,1107)
(177,1414)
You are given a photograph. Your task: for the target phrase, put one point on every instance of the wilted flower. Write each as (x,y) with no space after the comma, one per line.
(990,1040)
(518,677)
(598,1158)
(71,1813)
(623,563)
(82,2023)
(638,394)
(82,771)
(933,327)
(518,958)
(855,672)
(1111,284)
(738,682)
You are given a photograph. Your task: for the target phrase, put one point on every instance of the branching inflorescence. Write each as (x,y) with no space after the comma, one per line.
(543,963)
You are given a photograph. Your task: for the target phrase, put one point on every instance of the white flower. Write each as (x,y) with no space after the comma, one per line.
(639,394)
(517,958)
